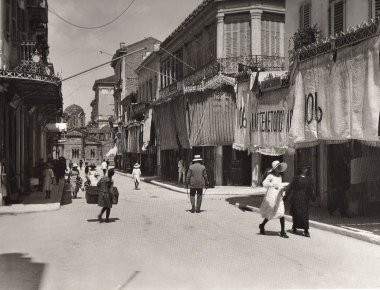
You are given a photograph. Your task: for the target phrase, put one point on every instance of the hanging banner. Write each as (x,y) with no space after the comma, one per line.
(270,126)
(338,100)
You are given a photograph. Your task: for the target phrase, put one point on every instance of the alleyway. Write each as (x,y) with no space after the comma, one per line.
(153,242)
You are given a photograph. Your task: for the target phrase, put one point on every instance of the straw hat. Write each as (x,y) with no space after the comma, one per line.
(197,158)
(276,164)
(136,165)
(75,165)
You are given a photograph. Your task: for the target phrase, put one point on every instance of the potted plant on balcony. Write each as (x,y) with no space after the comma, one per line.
(305,36)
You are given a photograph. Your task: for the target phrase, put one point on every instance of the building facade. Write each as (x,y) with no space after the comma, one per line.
(103,106)
(331,98)
(30,94)
(126,87)
(200,61)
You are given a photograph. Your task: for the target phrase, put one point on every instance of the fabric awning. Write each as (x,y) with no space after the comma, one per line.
(165,127)
(112,152)
(133,144)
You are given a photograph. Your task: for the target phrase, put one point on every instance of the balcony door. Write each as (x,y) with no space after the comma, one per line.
(237,35)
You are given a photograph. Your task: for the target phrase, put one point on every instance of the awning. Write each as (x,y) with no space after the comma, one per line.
(112,152)
(165,127)
(133,142)
(146,129)
(338,100)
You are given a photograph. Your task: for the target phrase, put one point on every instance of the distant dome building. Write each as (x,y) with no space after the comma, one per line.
(74,116)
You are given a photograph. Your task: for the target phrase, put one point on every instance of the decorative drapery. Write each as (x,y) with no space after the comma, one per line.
(338,100)
(146,129)
(134,138)
(178,109)
(210,118)
(165,127)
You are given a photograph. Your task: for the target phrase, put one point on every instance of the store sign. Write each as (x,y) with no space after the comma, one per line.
(338,100)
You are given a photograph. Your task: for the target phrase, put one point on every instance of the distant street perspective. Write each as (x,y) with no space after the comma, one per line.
(189,144)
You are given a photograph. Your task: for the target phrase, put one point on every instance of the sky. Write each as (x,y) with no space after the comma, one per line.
(73,50)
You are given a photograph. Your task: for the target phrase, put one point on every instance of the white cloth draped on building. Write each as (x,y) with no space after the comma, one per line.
(146,129)
(335,101)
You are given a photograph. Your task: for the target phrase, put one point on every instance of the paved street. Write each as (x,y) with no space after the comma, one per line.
(155,243)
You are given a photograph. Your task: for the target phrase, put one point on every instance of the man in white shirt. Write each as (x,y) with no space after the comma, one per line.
(104,167)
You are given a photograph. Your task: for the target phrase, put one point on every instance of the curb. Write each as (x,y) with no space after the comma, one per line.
(29,209)
(370,238)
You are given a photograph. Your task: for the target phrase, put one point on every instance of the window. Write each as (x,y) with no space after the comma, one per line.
(374,8)
(305,15)
(92,153)
(237,35)
(74,153)
(211,43)
(337,16)
(272,34)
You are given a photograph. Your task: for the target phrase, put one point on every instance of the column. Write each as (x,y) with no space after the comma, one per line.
(256,169)
(256,31)
(219,165)
(220,35)
(322,174)
(18,146)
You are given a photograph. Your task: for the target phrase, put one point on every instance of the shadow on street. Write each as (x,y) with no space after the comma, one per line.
(111,220)
(17,271)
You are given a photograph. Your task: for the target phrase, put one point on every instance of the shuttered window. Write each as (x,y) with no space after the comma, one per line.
(374,10)
(305,15)
(272,30)
(237,35)
(211,43)
(337,16)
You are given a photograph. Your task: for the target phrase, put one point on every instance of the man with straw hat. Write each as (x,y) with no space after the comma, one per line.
(197,180)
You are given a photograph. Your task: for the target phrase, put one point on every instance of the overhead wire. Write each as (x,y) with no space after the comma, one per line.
(51,10)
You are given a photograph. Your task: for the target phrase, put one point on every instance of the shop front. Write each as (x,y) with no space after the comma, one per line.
(335,123)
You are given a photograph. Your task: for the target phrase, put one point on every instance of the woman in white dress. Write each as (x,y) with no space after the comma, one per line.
(272,206)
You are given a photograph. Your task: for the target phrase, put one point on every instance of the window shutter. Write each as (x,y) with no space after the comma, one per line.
(329,20)
(305,15)
(377,8)
(338,16)
(237,36)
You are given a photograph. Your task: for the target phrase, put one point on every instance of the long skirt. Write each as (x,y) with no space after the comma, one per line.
(105,200)
(272,205)
(299,209)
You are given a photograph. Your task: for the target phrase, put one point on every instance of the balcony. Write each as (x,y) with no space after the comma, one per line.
(26,50)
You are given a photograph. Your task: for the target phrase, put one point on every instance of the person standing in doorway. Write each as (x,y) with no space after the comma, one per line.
(197,180)
(299,193)
(181,172)
(136,174)
(105,196)
(104,167)
(48,177)
(80,164)
(272,206)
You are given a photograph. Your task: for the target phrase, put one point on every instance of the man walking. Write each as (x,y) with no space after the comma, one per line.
(104,167)
(197,180)
(181,171)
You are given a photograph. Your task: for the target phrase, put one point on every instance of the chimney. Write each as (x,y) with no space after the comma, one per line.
(122,44)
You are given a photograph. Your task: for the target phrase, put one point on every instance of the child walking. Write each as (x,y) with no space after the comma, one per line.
(136,173)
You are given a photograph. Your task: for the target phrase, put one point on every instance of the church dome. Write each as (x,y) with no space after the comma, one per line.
(74,110)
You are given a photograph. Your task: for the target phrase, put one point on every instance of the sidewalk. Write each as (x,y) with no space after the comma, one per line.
(249,199)
(217,190)
(36,202)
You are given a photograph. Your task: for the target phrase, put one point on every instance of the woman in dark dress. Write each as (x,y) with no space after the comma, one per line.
(299,193)
(105,195)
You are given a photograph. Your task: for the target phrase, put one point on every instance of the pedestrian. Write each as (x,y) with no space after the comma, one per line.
(104,167)
(80,164)
(272,206)
(39,169)
(105,195)
(136,174)
(70,164)
(181,171)
(197,180)
(108,163)
(48,177)
(73,174)
(78,185)
(299,193)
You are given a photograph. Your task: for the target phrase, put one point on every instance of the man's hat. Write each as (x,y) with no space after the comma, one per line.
(197,158)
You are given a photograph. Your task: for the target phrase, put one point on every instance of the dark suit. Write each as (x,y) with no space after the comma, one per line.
(196,179)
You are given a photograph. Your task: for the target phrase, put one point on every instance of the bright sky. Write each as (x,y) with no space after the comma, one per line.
(73,50)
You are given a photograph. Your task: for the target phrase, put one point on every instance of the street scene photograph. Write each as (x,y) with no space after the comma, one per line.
(189,144)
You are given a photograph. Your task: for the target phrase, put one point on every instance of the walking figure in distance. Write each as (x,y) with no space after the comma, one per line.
(197,180)
(78,185)
(299,193)
(48,177)
(105,195)
(272,206)
(136,174)
(181,172)
(104,167)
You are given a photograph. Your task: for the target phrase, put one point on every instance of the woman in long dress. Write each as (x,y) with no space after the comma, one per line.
(272,206)
(48,176)
(299,192)
(105,194)
(136,174)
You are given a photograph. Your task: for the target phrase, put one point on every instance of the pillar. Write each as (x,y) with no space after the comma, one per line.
(256,169)
(219,165)
(256,31)
(322,174)
(220,35)
(18,146)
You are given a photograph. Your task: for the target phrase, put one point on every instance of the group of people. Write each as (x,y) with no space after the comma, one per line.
(299,193)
